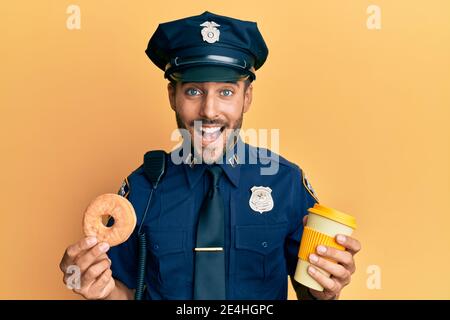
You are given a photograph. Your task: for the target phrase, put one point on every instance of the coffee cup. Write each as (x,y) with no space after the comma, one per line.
(323,225)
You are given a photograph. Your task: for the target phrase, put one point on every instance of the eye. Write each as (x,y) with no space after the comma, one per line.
(226,93)
(193,92)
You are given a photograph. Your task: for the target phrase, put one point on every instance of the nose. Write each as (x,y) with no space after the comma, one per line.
(209,108)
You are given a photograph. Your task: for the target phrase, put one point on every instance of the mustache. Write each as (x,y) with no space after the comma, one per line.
(208,122)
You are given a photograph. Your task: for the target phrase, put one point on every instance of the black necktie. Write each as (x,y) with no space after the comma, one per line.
(209,251)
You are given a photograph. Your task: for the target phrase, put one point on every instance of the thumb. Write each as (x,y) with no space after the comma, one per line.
(305,219)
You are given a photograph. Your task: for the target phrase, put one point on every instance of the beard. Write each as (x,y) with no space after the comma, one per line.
(213,151)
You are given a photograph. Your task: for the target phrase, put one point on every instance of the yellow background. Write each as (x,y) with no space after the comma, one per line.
(364,112)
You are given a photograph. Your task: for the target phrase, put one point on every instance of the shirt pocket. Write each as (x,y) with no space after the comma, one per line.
(167,259)
(260,253)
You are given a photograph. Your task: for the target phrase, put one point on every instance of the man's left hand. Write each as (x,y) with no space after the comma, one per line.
(340,271)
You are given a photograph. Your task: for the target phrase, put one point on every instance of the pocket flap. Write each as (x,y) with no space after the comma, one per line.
(163,242)
(260,238)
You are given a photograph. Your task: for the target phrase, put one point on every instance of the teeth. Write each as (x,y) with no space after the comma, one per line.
(210,129)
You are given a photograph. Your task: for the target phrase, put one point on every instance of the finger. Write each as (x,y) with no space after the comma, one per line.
(94,271)
(327,283)
(99,258)
(336,270)
(74,250)
(351,244)
(102,257)
(343,257)
(103,285)
(87,259)
(82,245)
(305,220)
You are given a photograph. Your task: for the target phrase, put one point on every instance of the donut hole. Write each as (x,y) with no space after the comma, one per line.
(107,220)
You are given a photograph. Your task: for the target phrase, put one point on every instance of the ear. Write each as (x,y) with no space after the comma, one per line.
(171,91)
(248,95)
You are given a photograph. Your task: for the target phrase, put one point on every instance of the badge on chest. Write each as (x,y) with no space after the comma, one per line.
(261,199)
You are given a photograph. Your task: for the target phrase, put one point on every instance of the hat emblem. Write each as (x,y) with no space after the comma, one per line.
(209,32)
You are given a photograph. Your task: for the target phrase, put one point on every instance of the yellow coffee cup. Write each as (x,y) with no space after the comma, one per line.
(323,225)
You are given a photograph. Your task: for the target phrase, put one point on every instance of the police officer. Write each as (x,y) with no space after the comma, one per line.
(217,226)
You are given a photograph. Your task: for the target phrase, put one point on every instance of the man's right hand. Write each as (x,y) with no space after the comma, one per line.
(90,258)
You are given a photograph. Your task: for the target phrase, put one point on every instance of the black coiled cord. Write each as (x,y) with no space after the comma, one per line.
(142,247)
(142,255)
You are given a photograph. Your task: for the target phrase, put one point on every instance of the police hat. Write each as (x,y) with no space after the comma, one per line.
(207,47)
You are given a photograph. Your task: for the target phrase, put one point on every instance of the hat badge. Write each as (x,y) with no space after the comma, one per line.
(210,32)
(261,199)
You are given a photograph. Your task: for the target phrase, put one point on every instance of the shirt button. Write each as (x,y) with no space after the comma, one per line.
(264,244)
(155,246)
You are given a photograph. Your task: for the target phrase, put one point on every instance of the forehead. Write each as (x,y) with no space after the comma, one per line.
(211,84)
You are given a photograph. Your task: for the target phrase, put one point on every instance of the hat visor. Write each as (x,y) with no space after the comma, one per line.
(209,74)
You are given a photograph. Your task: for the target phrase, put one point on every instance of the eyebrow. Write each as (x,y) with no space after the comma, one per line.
(199,83)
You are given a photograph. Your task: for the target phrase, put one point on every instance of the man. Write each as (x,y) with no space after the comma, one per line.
(217,226)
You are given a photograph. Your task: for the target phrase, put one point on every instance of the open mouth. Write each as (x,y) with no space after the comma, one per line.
(210,133)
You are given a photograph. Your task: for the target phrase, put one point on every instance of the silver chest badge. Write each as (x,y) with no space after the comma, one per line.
(261,199)
(210,33)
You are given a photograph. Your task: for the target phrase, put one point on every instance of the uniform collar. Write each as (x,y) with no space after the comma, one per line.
(231,165)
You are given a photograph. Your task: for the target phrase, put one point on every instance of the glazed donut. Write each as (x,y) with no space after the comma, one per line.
(113,205)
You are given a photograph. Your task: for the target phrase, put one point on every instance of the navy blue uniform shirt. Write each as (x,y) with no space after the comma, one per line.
(260,247)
